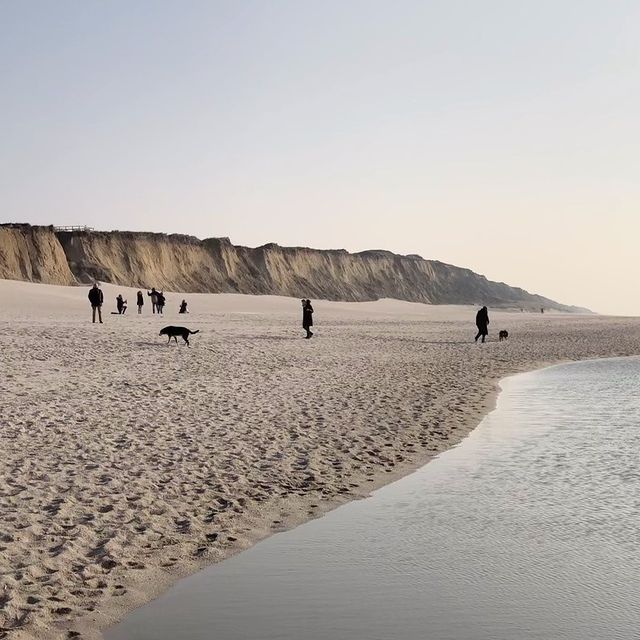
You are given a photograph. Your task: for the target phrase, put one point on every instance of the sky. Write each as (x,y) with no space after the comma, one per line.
(500,136)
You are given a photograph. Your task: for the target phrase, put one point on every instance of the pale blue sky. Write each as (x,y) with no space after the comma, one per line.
(497,135)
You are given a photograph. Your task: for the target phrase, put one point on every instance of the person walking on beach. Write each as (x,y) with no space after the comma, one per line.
(140,302)
(482,322)
(307,317)
(154,298)
(160,300)
(96,298)
(183,307)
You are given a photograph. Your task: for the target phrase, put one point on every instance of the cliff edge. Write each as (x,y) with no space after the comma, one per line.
(187,264)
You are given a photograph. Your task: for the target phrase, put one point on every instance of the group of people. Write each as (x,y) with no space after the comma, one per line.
(158,301)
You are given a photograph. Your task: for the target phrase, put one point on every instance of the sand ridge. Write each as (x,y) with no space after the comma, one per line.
(127,463)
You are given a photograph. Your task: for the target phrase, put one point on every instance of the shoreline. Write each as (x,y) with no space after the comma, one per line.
(87,627)
(108,510)
(381,480)
(263,531)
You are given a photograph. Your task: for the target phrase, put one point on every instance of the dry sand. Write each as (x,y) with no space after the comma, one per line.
(126,463)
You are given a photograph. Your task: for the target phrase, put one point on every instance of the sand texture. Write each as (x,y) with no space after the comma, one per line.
(126,463)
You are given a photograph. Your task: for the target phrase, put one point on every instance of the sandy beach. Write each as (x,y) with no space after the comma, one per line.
(127,463)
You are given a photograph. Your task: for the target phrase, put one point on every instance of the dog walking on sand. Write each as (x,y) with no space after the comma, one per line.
(174,332)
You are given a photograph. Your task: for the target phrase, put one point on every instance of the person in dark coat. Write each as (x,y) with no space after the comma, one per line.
(183,307)
(140,301)
(482,322)
(307,317)
(154,298)
(96,298)
(121,304)
(160,302)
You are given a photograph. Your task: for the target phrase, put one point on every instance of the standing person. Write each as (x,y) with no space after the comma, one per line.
(482,322)
(121,304)
(154,298)
(160,300)
(307,317)
(183,307)
(96,298)
(140,302)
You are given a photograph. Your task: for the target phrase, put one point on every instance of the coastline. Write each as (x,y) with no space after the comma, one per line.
(423,347)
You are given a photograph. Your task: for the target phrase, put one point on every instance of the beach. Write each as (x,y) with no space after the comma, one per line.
(128,463)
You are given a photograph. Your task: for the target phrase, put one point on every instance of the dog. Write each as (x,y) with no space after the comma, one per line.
(174,332)
(503,335)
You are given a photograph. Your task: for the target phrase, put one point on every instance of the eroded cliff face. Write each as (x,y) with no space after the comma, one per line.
(34,254)
(186,264)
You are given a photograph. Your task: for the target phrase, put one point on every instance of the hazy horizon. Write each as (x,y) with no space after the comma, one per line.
(501,137)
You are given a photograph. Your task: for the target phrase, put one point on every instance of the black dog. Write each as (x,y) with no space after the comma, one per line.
(173,332)
(503,335)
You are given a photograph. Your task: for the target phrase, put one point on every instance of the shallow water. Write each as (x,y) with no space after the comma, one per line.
(529,529)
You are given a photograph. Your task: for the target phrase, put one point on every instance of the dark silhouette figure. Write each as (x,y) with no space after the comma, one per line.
(160,301)
(121,304)
(482,322)
(140,301)
(307,317)
(96,298)
(154,298)
(183,307)
(173,332)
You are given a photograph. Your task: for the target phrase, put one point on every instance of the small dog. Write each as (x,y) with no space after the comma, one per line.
(503,335)
(174,332)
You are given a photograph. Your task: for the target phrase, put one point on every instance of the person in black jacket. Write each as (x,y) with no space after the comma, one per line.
(121,304)
(154,298)
(96,299)
(482,322)
(307,317)
(140,301)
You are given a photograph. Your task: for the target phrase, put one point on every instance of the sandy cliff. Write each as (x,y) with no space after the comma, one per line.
(34,254)
(184,263)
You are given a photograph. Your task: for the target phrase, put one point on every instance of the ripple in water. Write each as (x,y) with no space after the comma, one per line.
(527,530)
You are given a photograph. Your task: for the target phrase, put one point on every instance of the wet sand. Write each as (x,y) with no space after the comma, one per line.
(127,463)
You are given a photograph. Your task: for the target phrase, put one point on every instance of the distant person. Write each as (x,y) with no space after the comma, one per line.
(541,309)
(96,298)
(482,322)
(183,307)
(160,301)
(140,302)
(153,294)
(121,304)
(307,317)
